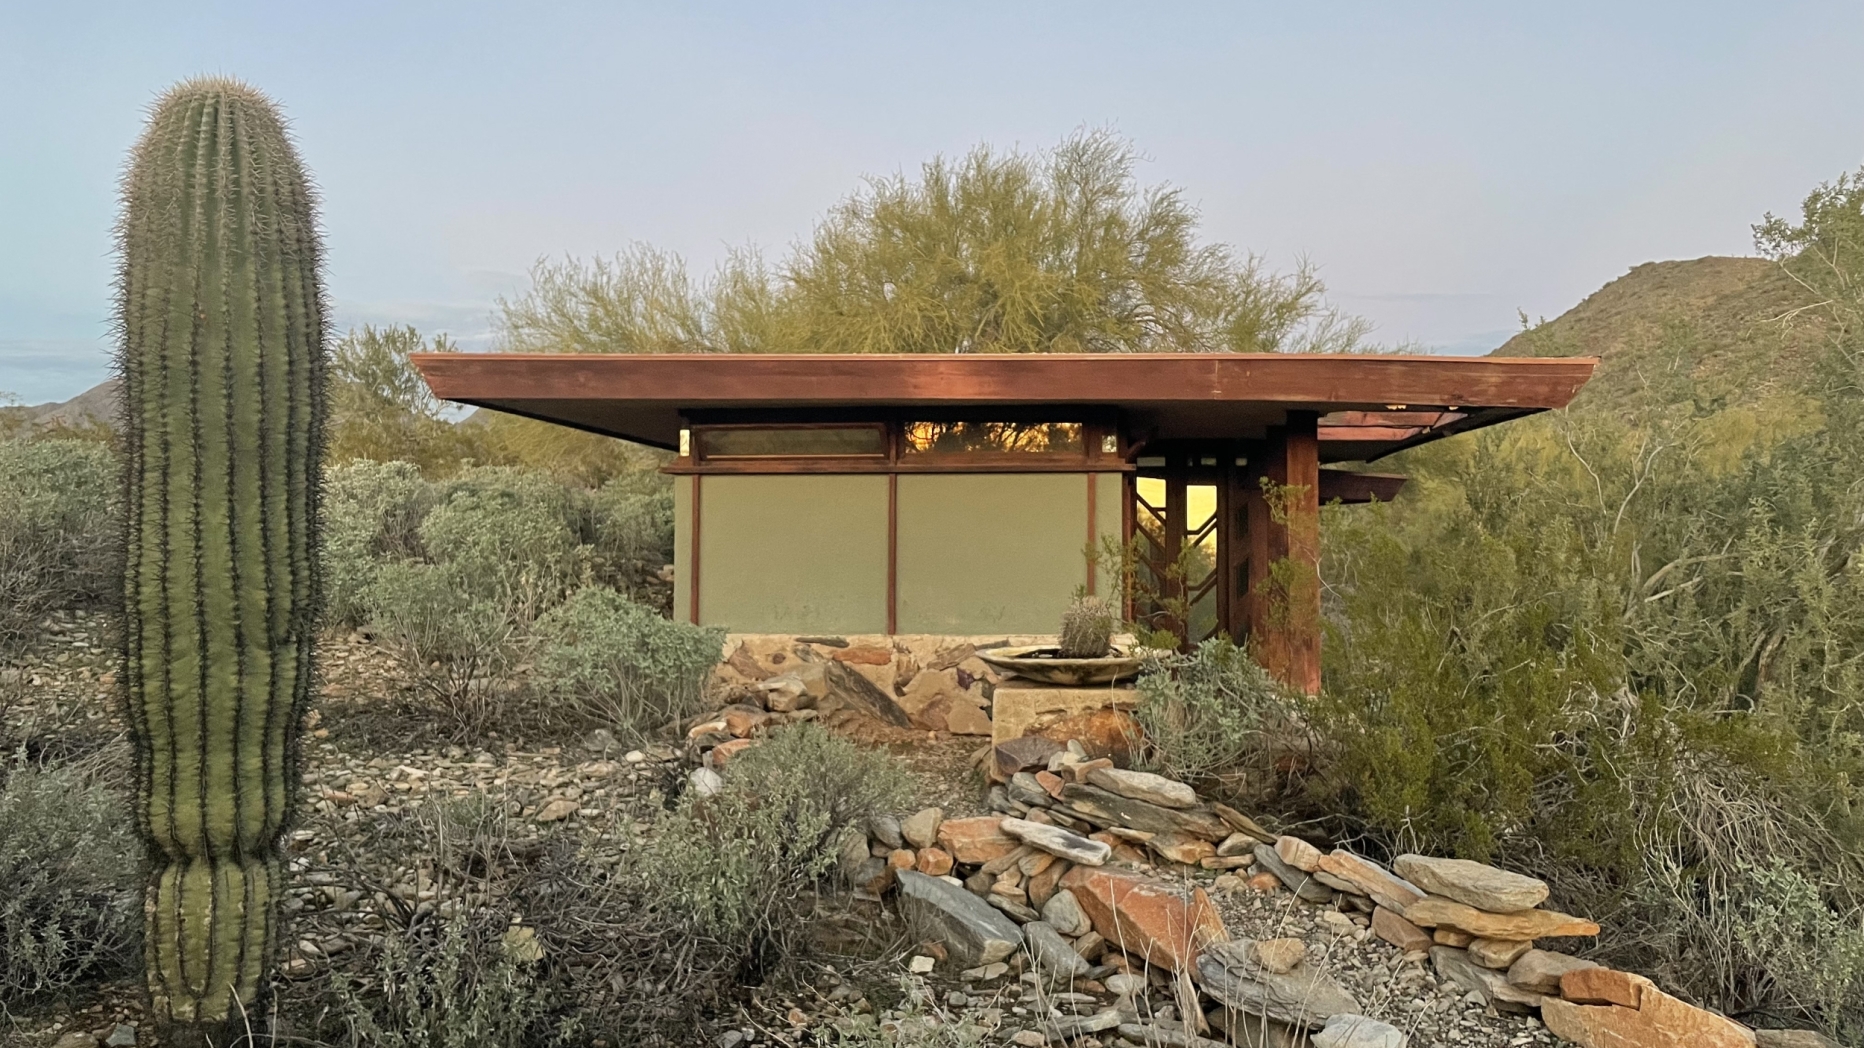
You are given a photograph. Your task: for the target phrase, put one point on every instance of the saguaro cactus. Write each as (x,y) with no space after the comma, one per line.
(222,354)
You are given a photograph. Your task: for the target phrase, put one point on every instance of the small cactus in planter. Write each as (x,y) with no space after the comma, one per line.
(221,323)
(1087,629)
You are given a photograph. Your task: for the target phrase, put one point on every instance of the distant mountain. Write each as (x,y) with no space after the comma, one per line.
(1722,321)
(96,406)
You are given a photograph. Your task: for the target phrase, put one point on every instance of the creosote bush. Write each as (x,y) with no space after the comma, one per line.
(622,664)
(743,866)
(1210,713)
(72,869)
(57,539)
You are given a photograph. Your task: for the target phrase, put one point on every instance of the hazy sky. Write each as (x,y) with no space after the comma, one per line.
(1445,164)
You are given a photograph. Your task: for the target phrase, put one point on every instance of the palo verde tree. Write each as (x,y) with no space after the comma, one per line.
(222,331)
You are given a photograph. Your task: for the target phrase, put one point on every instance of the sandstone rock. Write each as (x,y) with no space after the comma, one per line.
(1145,918)
(1234,862)
(557,810)
(866,655)
(1281,956)
(964,717)
(1472,883)
(1454,965)
(872,876)
(1080,770)
(1433,912)
(1024,708)
(1357,1031)
(1451,937)
(1005,862)
(902,859)
(1298,853)
(1296,881)
(886,830)
(975,840)
(1598,985)
(1052,953)
(1015,907)
(1109,734)
(1057,841)
(1242,823)
(1793,1039)
(719,756)
(972,931)
(1657,1021)
(741,721)
(1238,843)
(1144,786)
(1051,783)
(1159,1035)
(1024,787)
(1020,754)
(1497,953)
(1399,932)
(1539,971)
(1264,882)
(1110,809)
(1177,847)
(1231,973)
(920,829)
(1043,886)
(849,689)
(1368,878)
(933,862)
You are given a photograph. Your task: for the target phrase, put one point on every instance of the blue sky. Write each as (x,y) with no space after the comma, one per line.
(1445,164)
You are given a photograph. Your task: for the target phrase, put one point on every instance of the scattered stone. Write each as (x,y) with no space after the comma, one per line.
(1657,1020)
(1063,913)
(1238,843)
(1472,883)
(1024,788)
(976,840)
(1052,953)
(1281,956)
(902,858)
(1125,984)
(1524,924)
(975,933)
(1539,971)
(933,862)
(1231,973)
(1069,1027)
(1491,986)
(718,756)
(705,782)
(1368,878)
(1042,886)
(741,721)
(1146,918)
(987,972)
(1159,1035)
(1497,953)
(1020,754)
(1242,823)
(75,1039)
(1111,809)
(1057,841)
(1399,932)
(1296,881)
(1357,1031)
(1017,911)
(886,830)
(560,809)
(1264,882)
(123,1036)
(920,829)
(1029,1038)
(921,965)
(1144,786)
(1337,922)
(1298,853)
(1181,848)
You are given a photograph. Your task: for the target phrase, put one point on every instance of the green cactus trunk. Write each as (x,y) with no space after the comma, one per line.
(222,354)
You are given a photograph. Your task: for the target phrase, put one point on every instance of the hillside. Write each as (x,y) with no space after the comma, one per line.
(1715,320)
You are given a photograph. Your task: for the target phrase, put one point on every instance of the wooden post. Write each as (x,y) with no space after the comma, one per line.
(1283,603)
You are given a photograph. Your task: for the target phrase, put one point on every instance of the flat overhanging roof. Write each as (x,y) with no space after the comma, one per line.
(1370,405)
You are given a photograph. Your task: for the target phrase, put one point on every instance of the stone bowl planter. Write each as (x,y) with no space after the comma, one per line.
(1043,663)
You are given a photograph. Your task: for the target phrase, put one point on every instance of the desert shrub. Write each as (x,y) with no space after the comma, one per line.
(1814,954)
(372,515)
(634,536)
(57,530)
(620,663)
(458,646)
(1208,712)
(509,535)
(70,863)
(742,866)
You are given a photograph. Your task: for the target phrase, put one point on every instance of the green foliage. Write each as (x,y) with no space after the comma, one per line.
(57,547)
(372,515)
(221,318)
(1210,712)
(71,866)
(1813,957)
(380,409)
(1087,628)
(1060,251)
(509,535)
(458,646)
(621,663)
(743,865)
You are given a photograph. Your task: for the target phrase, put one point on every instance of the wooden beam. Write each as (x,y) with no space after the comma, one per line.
(1353,488)
(1284,562)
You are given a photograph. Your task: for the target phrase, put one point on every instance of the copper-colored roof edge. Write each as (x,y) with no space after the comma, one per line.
(1433,358)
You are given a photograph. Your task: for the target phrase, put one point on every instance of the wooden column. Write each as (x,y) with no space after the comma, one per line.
(1283,603)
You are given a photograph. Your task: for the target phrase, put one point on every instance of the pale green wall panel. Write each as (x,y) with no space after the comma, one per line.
(800,553)
(1109,521)
(991,552)
(682,548)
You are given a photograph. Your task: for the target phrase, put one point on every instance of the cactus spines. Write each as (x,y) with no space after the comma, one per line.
(1087,629)
(221,325)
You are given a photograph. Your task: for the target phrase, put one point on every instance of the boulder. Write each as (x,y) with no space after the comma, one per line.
(886,830)
(1109,734)
(1144,786)
(1399,932)
(1063,913)
(1454,965)
(1497,953)
(1297,882)
(1357,1031)
(1298,853)
(1052,954)
(1472,883)
(973,932)
(965,717)
(1368,878)
(933,862)
(1539,971)
(1434,912)
(975,840)
(1146,918)
(1598,985)
(1057,841)
(920,829)
(850,690)
(1657,1021)
(1231,973)
(1110,809)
